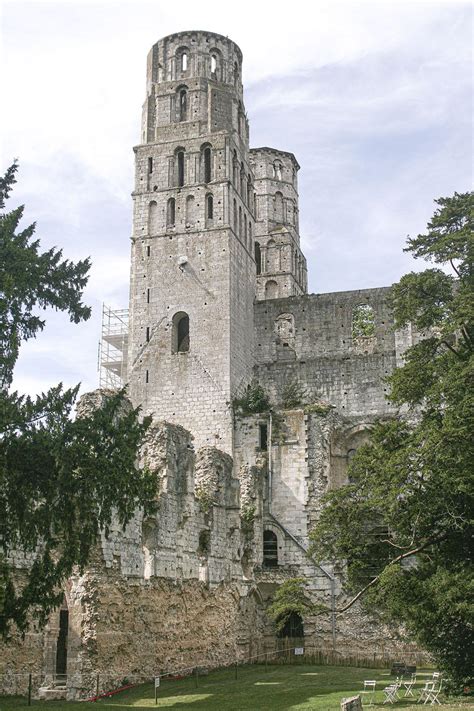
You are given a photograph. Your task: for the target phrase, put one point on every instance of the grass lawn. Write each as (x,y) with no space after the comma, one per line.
(297,687)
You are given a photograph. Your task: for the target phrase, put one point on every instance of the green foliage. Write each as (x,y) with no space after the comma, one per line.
(62,481)
(293,394)
(254,401)
(318,408)
(205,498)
(363,325)
(291,597)
(414,480)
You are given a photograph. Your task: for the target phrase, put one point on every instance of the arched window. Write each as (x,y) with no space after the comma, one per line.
(245,228)
(236,73)
(171,212)
(270,549)
(363,321)
(216,64)
(258,257)
(190,211)
(206,158)
(293,627)
(277,169)
(235,168)
(249,191)
(153,218)
(236,217)
(209,207)
(61,643)
(183,105)
(184,61)
(273,257)
(278,207)
(180,167)
(271,290)
(240,222)
(180,333)
(242,181)
(250,231)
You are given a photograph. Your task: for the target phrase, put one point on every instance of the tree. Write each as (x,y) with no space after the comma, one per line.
(62,481)
(404,522)
(291,599)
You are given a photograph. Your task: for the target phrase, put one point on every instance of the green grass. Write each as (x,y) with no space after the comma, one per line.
(297,687)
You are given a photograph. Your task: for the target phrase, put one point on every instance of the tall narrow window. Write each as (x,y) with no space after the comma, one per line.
(213,64)
(263,437)
(180,333)
(258,257)
(184,61)
(250,232)
(242,181)
(240,222)
(148,296)
(245,228)
(209,207)
(183,105)
(61,645)
(147,334)
(235,168)
(236,217)
(236,73)
(171,212)
(270,549)
(363,321)
(153,225)
(190,211)
(278,207)
(180,159)
(150,166)
(207,165)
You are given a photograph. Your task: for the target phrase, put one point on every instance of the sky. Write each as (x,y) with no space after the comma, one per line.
(373,97)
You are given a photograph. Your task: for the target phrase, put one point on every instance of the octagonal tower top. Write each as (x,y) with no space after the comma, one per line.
(195,54)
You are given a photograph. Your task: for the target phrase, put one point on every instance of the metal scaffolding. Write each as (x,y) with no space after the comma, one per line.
(113,348)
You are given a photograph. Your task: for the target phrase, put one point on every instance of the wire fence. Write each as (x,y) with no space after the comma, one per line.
(95,684)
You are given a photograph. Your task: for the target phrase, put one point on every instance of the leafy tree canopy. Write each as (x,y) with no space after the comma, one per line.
(404,522)
(62,481)
(291,597)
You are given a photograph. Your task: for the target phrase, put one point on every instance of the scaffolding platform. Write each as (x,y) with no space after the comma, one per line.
(113,348)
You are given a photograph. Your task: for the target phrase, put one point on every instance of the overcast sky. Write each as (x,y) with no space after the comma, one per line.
(374,99)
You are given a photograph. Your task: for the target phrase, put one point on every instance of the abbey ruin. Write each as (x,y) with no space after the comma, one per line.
(219,306)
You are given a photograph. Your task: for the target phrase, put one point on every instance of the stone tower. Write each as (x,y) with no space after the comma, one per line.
(280,263)
(193,269)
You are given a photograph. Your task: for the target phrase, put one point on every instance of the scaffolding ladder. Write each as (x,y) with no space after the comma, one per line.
(113,348)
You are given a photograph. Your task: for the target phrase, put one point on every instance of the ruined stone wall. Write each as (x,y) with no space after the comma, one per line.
(320,353)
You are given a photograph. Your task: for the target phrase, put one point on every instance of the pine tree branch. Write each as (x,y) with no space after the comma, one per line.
(400,557)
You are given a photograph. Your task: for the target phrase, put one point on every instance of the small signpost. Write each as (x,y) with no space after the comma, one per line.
(157,686)
(299,651)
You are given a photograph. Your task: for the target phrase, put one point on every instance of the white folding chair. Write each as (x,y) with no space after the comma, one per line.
(425,691)
(390,694)
(432,696)
(369,691)
(409,684)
